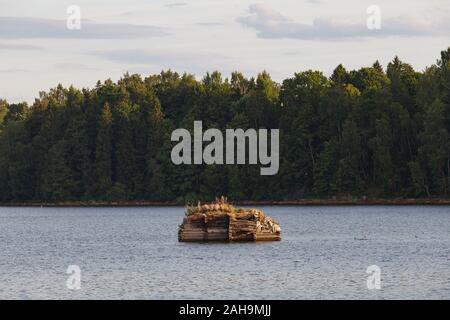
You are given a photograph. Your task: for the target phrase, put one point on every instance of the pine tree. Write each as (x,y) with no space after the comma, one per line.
(103,155)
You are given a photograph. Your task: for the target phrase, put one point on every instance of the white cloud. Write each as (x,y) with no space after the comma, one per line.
(22,28)
(75,66)
(176,4)
(269,23)
(177,59)
(14,46)
(13,70)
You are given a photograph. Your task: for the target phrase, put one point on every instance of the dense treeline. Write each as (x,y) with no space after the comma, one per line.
(367,132)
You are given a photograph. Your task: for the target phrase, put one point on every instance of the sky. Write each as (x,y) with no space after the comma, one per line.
(38,51)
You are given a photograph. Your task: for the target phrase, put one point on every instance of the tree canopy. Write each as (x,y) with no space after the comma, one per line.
(370,132)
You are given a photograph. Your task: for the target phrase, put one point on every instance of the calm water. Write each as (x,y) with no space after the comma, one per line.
(133,253)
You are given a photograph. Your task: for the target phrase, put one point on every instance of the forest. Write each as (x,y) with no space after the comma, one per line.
(379,132)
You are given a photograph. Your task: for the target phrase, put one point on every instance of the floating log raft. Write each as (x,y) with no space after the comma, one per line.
(220,221)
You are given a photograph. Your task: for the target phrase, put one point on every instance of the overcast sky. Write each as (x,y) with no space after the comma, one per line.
(37,51)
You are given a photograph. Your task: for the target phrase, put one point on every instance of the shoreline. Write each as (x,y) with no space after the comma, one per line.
(299,202)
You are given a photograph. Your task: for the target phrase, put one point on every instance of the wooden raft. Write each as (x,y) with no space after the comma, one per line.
(222,222)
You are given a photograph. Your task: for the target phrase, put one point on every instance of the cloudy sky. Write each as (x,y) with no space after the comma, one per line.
(37,51)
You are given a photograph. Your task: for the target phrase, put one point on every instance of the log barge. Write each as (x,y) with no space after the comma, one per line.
(220,221)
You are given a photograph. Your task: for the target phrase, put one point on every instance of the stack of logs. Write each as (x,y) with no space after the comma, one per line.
(220,221)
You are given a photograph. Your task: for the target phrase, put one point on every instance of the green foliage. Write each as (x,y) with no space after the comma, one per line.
(3,111)
(103,154)
(361,132)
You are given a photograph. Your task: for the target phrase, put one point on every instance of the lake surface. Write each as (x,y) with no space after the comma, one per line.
(134,253)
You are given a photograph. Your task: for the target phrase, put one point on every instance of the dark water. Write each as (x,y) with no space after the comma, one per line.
(133,253)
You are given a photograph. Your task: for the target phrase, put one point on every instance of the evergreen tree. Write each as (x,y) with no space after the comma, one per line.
(103,155)
(369,131)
